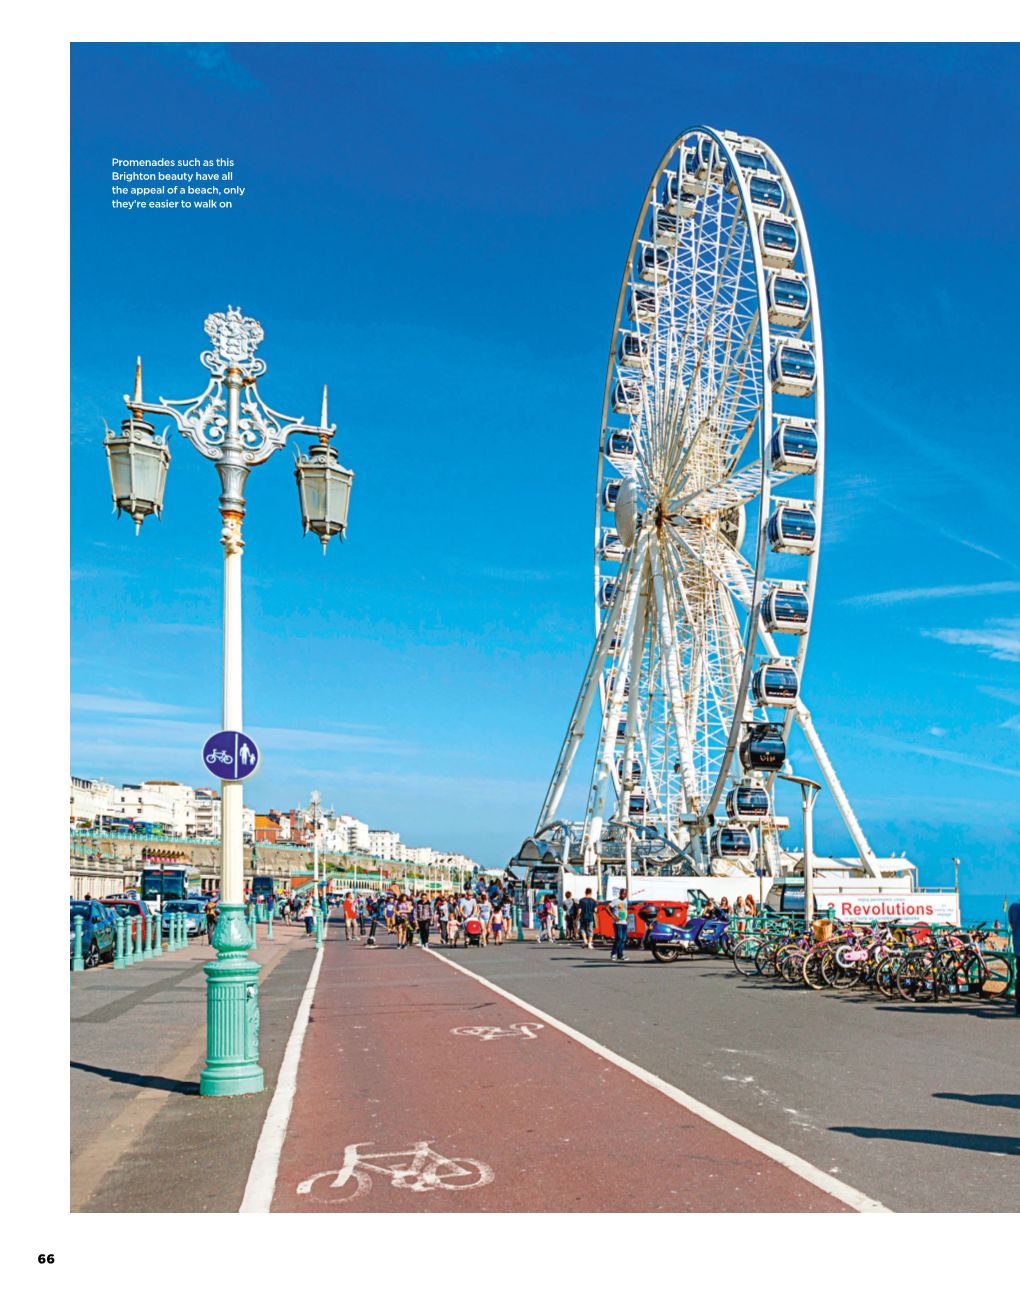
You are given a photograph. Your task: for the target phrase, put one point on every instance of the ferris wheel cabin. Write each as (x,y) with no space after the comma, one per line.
(789,301)
(632,352)
(641,305)
(748,161)
(610,490)
(763,748)
(620,446)
(794,446)
(635,769)
(607,590)
(627,397)
(775,684)
(792,528)
(666,228)
(733,843)
(785,609)
(675,201)
(792,370)
(653,264)
(747,802)
(610,547)
(777,237)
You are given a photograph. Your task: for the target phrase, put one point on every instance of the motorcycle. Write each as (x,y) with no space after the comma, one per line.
(667,942)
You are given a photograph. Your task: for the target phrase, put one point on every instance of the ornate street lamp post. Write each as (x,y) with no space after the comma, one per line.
(236,434)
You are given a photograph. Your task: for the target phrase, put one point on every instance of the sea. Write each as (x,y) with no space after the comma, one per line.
(975,907)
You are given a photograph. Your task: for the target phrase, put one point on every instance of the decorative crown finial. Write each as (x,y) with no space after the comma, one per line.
(234,339)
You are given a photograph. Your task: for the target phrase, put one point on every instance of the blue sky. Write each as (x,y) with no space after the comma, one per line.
(439,233)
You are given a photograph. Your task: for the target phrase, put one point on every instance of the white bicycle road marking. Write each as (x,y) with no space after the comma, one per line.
(418,1168)
(529,1031)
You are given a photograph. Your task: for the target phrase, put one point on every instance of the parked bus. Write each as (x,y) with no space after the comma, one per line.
(166,883)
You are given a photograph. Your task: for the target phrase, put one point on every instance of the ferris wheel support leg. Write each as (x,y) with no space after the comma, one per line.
(589,689)
(634,615)
(864,851)
(668,648)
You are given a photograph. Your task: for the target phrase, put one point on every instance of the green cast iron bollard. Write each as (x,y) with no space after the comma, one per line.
(318,930)
(253,930)
(269,919)
(559,920)
(118,956)
(171,928)
(129,940)
(139,939)
(519,912)
(79,960)
(182,929)
(232,1066)
(147,951)
(157,933)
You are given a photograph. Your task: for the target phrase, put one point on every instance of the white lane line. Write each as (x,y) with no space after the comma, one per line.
(258,1193)
(844,1192)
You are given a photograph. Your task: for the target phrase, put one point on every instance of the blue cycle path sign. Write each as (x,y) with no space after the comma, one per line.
(232,755)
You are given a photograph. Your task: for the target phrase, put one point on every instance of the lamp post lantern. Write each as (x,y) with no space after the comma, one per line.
(231,426)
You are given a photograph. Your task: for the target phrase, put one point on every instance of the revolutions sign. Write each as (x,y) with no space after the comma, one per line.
(905,908)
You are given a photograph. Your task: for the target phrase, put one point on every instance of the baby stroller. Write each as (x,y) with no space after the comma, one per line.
(472,932)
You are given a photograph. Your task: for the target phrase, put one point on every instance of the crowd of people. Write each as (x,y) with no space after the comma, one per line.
(482,913)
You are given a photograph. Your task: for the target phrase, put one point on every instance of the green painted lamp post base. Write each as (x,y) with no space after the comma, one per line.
(232,1011)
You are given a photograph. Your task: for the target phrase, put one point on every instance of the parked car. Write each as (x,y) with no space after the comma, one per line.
(98,931)
(196,921)
(129,908)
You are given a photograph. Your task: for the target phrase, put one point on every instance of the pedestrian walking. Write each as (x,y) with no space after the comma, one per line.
(212,914)
(571,908)
(423,915)
(308,915)
(349,916)
(404,913)
(618,911)
(485,916)
(360,904)
(443,911)
(546,914)
(587,907)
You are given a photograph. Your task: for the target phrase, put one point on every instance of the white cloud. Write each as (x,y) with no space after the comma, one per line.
(1000,638)
(925,594)
(126,706)
(519,576)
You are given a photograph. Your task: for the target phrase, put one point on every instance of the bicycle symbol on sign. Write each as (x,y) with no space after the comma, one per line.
(420,1169)
(219,756)
(529,1031)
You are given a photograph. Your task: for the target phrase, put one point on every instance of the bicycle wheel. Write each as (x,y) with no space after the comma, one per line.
(996,975)
(885,976)
(765,960)
(915,978)
(811,969)
(791,963)
(743,956)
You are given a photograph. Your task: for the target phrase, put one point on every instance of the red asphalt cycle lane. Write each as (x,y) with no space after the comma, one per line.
(419,1089)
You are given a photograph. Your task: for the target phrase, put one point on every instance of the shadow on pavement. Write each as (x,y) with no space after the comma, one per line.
(139,1079)
(993,1101)
(1003,1144)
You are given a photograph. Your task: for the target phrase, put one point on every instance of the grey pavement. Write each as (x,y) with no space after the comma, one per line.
(916,1105)
(129,1028)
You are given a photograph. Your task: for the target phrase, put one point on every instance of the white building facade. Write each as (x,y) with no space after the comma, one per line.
(90,799)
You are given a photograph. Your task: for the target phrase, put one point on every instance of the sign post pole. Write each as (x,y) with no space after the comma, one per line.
(232,1021)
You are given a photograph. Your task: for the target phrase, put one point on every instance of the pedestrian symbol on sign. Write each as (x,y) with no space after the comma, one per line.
(231,754)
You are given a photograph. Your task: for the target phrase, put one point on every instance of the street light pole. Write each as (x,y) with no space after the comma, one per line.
(235,435)
(808,793)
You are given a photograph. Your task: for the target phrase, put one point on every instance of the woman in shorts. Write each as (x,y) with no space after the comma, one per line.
(497,926)
(404,914)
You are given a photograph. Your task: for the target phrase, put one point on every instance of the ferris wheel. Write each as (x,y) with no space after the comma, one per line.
(708,513)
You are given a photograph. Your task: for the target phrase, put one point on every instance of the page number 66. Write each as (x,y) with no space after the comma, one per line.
(45,1260)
